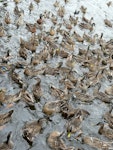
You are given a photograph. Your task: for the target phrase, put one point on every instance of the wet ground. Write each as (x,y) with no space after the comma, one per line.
(11,41)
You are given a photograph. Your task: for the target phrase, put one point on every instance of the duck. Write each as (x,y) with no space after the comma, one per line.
(74,123)
(37,90)
(61,11)
(23,52)
(109,90)
(2,33)
(78,37)
(87,26)
(97,143)
(31,129)
(16,78)
(109,3)
(7,18)
(20,21)
(31,7)
(86,20)
(8,144)
(56,4)
(2,95)
(73,20)
(83,9)
(28,99)
(52,107)
(17,1)
(101,95)
(31,27)
(52,31)
(40,20)
(108,23)
(55,142)
(37,1)
(105,130)
(108,116)
(6,117)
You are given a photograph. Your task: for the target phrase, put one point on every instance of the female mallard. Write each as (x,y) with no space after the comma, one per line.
(4,118)
(8,144)
(31,129)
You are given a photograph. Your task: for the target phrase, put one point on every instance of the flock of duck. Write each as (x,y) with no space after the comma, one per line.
(79,63)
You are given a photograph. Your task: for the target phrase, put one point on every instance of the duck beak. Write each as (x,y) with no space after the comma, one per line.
(69,134)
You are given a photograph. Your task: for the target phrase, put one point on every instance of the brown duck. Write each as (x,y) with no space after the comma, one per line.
(5,118)
(37,90)
(8,144)
(31,129)
(105,130)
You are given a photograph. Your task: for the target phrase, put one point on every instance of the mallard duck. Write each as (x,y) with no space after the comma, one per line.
(52,31)
(52,107)
(7,18)
(2,95)
(56,4)
(108,116)
(28,99)
(62,53)
(101,95)
(74,124)
(4,118)
(55,142)
(97,143)
(8,144)
(90,39)
(84,97)
(87,20)
(56,92)
(2,33)
(67,46)
(20,21)
(61,11)
(73,20)
(40,20)
(83,9)
(37,91)
(38,1)
(16,78)
(108,23)
(31,27)
(17,1)
(31,7)
(87,26)
(109,3)
(109,90)
(105,130)
(68,39)
(31,129)
(78,37)
(23,52)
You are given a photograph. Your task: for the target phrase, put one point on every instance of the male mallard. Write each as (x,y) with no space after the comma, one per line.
(8,144)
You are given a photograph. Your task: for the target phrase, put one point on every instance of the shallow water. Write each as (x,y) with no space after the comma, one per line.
(96,9)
